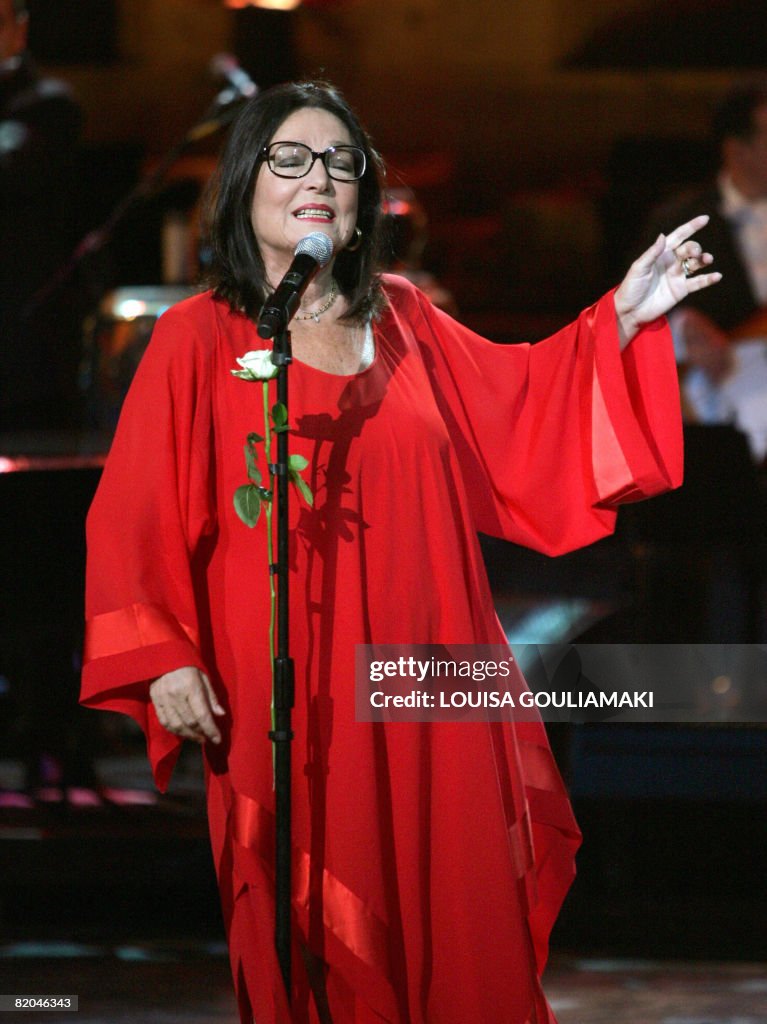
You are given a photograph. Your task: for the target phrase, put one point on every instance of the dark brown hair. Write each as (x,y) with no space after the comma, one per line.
(734,117)
(236,271)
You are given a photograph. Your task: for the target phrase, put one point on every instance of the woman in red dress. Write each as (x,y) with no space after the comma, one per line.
(430,860)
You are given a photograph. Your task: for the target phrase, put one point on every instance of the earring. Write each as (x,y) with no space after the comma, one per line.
(354,246)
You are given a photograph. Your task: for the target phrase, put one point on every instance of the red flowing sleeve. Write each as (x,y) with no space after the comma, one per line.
(551,437)
(152,508)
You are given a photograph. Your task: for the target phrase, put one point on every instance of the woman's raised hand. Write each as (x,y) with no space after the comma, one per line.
(661,277)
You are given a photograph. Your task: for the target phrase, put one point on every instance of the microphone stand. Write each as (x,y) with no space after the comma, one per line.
(278,310)
(284,682)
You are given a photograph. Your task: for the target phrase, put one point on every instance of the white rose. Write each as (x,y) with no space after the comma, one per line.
(257,366)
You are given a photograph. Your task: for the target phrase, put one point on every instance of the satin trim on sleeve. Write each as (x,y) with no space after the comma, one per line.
(130,628)
(612,473)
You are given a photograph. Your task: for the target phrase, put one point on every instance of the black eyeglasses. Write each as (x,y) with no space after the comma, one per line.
(295,160)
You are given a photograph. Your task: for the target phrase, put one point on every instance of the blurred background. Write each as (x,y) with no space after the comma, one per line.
(529,146)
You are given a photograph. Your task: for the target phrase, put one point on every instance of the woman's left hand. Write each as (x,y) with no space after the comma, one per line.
(658,279)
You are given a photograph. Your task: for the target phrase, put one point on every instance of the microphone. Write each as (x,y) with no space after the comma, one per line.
(312,252)
(241,85)
(225,105)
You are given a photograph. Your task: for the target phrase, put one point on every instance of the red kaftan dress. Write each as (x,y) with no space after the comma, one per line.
(430,859)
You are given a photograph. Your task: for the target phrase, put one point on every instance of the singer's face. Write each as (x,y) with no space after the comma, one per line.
(285,210)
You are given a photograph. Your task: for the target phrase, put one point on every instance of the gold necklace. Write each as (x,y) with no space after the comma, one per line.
(317,313)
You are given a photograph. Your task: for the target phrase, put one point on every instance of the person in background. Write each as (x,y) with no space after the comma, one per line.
(40,123)
(720,334)
(736,202)
(723,380)
(39,130)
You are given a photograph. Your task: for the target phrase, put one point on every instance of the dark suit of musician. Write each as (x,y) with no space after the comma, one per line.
(39,128)
(737,205)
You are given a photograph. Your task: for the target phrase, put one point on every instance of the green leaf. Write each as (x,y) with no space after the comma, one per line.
(247,504)
(254,438)
(254,473)
(297,462)
(279,415)
(303,488)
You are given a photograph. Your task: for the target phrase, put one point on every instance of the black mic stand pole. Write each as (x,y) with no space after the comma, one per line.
(284,681)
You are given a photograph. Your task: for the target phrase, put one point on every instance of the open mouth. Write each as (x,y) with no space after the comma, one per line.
(314,213)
